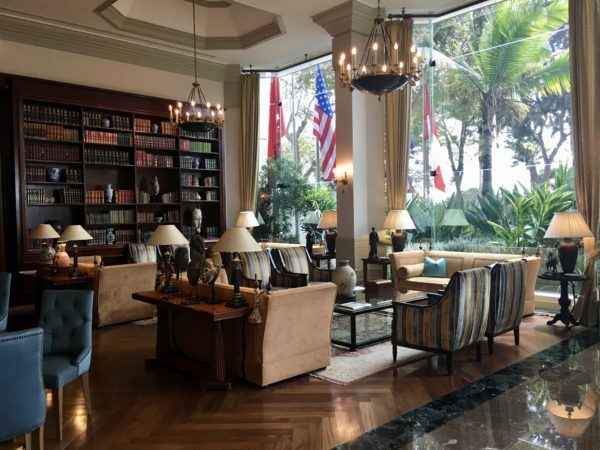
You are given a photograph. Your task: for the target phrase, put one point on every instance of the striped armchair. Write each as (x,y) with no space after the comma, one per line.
(456,319)
(260,264)
(507,300)
(296,260)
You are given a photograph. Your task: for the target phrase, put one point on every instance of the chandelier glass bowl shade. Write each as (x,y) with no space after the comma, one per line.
(196,114)
(380,69)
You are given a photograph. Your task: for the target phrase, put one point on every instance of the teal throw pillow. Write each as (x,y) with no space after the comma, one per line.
(435,268)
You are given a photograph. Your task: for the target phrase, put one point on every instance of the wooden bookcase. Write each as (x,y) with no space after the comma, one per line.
(71,142)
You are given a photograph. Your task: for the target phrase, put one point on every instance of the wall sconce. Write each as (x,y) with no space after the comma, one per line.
(340,179)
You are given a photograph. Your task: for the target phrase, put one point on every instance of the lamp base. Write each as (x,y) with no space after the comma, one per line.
(330,237)
(398,241)
(236,301)
(567,255)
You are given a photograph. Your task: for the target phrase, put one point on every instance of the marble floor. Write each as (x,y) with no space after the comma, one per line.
(547,401)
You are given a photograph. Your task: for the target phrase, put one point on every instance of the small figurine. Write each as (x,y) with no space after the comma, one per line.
(552,263)
(310,241)
(373,240)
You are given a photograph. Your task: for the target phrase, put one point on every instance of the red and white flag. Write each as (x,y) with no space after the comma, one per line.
(276,122)
(430,135)
(324,126)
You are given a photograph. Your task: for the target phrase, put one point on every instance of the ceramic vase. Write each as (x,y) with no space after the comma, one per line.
(344,278)
(53,174)
(110,236)
(108,193)
(61,258)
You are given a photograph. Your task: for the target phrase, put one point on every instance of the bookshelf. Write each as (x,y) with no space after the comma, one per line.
(71,146)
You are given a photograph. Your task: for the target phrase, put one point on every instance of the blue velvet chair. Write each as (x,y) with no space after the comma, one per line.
(66,317)
(4,297)
(22,398)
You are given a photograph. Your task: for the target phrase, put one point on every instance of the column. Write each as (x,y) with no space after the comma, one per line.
(232,140)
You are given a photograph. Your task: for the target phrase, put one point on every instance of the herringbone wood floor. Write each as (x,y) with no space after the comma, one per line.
(156,409)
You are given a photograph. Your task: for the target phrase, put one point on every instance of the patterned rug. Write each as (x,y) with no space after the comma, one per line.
(348,367)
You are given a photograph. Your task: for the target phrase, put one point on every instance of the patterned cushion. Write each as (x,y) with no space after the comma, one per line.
(294,259)
(256,263)
(142,253)
(507,296)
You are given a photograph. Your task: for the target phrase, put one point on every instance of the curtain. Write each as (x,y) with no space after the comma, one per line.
(249,148)
(584,36)
(397,122)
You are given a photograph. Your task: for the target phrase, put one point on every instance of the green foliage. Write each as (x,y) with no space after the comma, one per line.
(320,197)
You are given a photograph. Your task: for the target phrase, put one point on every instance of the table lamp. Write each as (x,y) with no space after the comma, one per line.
(398,220)
(246,219)
(45,231)
(329,221)
(167,235)
(236,240)
(75,233)
(568,225)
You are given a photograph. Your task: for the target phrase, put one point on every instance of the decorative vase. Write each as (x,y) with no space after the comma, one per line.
(344,278)
(108,193)
(61,258)
(53,174)
(106,122)
(110,236)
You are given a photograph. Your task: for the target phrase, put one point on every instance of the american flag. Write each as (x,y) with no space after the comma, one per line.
(324,127)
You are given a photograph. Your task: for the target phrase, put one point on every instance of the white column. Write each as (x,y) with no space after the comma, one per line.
(232,141)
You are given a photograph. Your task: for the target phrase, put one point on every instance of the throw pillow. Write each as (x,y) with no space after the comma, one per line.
(410,270)
(435,268)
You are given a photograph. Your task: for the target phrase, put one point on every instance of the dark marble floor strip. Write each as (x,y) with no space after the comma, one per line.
(404,429)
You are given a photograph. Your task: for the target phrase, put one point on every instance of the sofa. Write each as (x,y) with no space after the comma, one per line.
(293,337)
(407,270)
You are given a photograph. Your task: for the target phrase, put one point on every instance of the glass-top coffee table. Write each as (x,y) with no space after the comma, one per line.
(366,324)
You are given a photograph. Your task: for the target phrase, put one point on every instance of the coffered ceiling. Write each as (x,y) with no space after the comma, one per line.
(158,33)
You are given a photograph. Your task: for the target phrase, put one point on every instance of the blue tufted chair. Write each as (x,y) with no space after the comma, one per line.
(22,398)
(66,317)
(4,297)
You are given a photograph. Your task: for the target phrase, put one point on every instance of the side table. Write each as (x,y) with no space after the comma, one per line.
(316,259)
(564,315)
(383,262)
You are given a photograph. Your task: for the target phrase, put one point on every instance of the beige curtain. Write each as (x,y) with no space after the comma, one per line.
(397,121)
(584,39)
(249,148)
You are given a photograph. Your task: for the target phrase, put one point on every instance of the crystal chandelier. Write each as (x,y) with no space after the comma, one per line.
(379,70)
(196,115)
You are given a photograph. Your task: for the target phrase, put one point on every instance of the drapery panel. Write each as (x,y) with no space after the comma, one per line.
(248,168)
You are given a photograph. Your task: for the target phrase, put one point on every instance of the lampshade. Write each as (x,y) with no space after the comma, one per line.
(568,224)
(328,219)
(75,233)
(399,219)
(44,231)
(569,424)
(454,218)
(246,219)
(167,235)
(236,240)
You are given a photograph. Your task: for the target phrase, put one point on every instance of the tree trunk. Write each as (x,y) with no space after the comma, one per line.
(486,144)
(533,175)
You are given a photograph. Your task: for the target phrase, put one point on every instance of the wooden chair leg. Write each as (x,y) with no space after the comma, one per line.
(38,438)
(490,345)
(478,350)
(517,337)
(395,351)
(85,383)
(57,402)
(28,441)
(449,362)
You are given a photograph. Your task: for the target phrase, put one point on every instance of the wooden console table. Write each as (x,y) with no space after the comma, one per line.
(167,354)
(383,262)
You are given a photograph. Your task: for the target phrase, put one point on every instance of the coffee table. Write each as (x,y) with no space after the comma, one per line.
(356,328)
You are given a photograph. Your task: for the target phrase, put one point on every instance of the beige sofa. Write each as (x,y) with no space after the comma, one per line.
(407,270)
(293,338)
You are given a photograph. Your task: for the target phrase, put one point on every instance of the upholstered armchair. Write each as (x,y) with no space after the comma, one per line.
(454,320)
(507,300)
(66,318)
(297,261)
(260,264)
(4,298)
(22,398)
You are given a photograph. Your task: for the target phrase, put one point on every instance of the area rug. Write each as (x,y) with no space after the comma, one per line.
(348,367)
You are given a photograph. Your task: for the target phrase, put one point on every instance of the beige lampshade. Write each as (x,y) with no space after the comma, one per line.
(246,219)
(75,233)
(44,231)
(568,224)
(454,218)
(573,425)
(328,219)
(399,219)
(236,240)
(167,235)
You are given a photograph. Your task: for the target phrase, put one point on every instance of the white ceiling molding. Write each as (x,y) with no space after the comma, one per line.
(349,16)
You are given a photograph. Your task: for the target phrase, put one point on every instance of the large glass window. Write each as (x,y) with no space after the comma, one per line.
(293,188)
(491,158)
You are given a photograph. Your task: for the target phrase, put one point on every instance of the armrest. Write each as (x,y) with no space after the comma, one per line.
(288,279)
(81,356)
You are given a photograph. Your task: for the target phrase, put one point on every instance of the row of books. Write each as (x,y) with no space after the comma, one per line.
(146,217)
(94,196)
(120,196)
(155,142)
(213,134)
(147,126)
(171,216)
(96,119)
(50,132)
(101,236)
(195,146)
(69,195)
(38,173)
(107,137)
(50,151)
(190,196)
(193,180)
(55,114)
(209,163)
(106,156)
(169,197)
(145,159)
(38,197)
(212,232)
(188,162)
(112,216)
(212,195)
(209,232)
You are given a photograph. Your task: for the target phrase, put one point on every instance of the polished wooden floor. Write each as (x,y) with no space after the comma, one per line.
(135,408)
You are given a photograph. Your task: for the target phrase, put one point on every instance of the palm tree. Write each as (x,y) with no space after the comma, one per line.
(508,59)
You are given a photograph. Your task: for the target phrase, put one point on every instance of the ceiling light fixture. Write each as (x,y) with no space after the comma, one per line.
(380,69)
(196,115)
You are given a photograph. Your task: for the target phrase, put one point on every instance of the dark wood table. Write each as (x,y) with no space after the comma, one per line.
(564,315)
(316,259)
(167,354)
(383,262)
